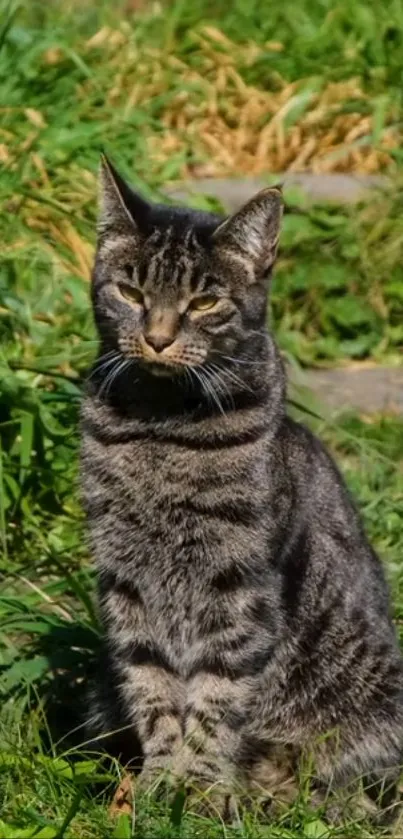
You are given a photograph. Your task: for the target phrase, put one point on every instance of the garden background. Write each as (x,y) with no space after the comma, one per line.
(173,91)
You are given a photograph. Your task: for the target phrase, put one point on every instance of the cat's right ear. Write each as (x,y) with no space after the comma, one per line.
(121,211)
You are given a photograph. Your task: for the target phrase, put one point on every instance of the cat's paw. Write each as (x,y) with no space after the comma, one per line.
(213,801)
(156,778)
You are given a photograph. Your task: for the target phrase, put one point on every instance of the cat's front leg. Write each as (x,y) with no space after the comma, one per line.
(207,760)
(150,693)
(153,697)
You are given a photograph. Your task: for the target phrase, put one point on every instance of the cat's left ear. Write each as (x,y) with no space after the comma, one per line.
(253,231)
(121,210)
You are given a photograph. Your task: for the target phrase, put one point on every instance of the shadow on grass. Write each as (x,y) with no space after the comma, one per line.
(66,663)
(72,652)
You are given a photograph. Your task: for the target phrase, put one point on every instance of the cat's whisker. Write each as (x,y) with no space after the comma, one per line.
(224,371)
(259,332)
(105,357)
(112,376)
(100,368)
(104,383)
(209,387)
(222,385)
(196,375)
(213,396)
(118,372)
(246,361)
(206,388)
(188,376)
(108,354)
(104,361)
(237,381)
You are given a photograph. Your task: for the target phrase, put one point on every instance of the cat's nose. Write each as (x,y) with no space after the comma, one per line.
(158,341)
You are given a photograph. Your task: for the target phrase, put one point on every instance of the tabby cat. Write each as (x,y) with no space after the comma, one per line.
(245,614)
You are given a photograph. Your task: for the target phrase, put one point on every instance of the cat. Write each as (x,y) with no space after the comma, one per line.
(245,614)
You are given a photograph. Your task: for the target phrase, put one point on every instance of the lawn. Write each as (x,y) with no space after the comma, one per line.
(171,91)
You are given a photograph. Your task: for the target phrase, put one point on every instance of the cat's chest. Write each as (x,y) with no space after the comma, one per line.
(171,492)
(183,507)
(182,523)
(166,478)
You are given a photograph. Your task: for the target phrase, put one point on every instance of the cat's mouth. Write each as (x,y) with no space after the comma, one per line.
(159,368)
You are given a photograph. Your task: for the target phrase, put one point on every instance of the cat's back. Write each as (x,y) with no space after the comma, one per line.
(318,483)
(327,553)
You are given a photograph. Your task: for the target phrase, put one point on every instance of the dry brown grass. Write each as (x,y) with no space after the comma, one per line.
(196,107)
(238,127)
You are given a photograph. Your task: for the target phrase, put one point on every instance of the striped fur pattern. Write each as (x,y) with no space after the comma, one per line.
(246,617)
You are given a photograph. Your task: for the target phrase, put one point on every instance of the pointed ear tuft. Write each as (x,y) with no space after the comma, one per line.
(254,230)
(120,209)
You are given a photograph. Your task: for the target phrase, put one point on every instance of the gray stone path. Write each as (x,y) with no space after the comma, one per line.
(366,390)
(233,192)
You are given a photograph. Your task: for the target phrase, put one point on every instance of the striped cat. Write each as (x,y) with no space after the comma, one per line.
(247,619)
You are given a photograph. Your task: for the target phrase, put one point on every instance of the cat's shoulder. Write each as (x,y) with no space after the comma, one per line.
(297,439)
(306,454)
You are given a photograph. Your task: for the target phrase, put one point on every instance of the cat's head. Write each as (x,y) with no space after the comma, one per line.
(176,289)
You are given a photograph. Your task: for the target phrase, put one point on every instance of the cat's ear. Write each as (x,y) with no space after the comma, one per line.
(120,209)
(253,231)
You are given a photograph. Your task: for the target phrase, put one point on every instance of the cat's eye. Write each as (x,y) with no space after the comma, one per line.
(134,295)
(203,304)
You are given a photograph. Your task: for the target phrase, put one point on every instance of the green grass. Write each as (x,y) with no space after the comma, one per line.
(337,296)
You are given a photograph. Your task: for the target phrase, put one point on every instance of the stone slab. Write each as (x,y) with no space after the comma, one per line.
(366,390)
(233,192)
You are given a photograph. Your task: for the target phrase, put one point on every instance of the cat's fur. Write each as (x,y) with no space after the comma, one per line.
(244,611)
